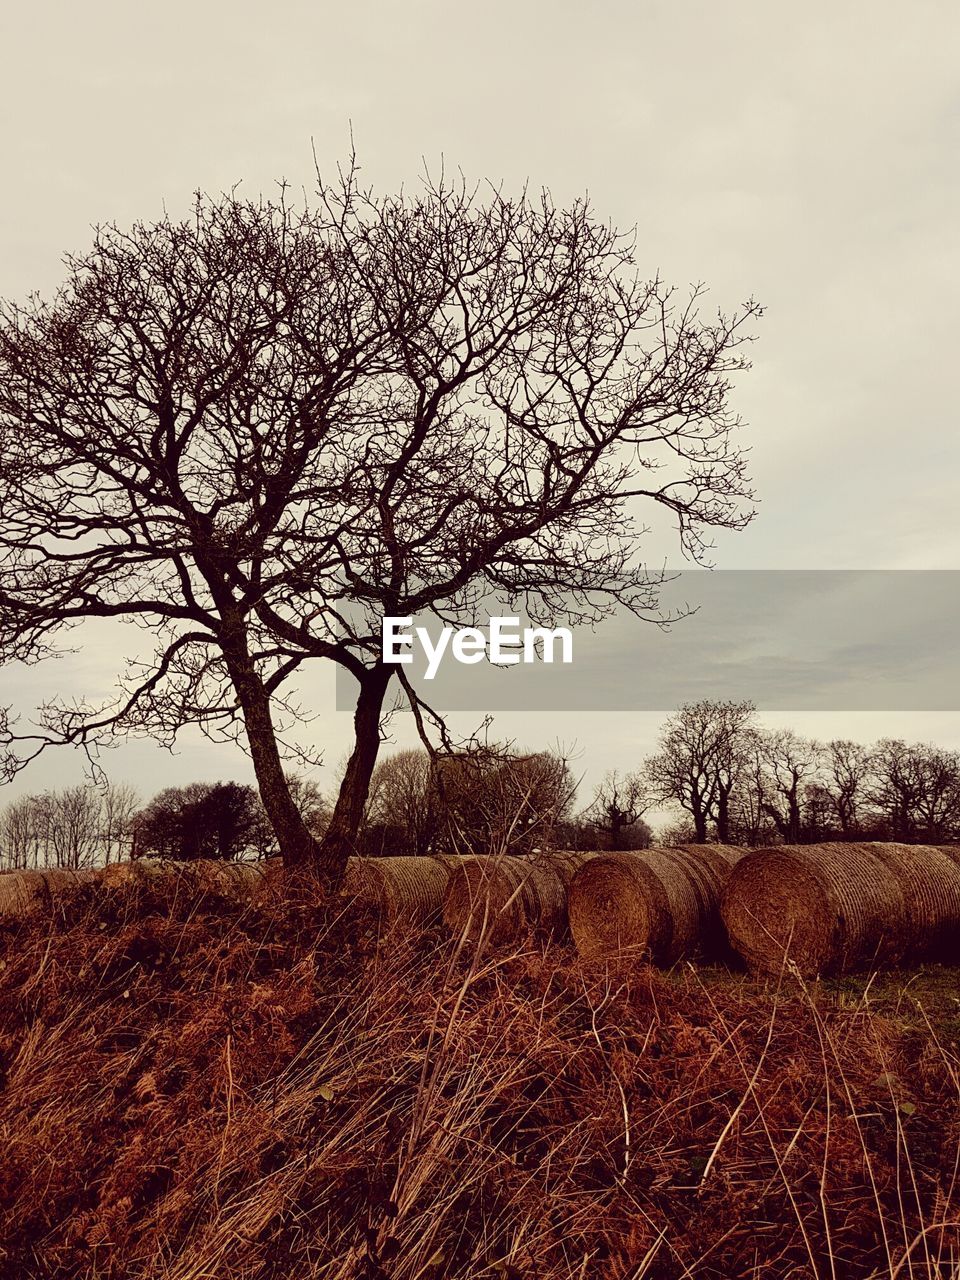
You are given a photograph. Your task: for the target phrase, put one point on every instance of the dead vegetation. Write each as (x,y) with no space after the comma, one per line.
(195,1086)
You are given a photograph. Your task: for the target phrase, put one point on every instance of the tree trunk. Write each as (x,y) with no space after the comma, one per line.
(340,838)
(699,819)
(783,826)
(723,816)
(297,846)
(794,818)
(616,827)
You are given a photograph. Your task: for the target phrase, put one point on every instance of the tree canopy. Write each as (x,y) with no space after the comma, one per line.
(256,431)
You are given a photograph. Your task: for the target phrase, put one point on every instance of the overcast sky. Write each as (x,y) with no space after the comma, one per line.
(802,154)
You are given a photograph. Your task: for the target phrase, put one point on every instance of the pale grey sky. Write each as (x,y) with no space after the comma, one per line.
(804,154)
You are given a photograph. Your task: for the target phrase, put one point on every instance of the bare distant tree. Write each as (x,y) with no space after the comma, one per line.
(819,819)
(257,431)
(616,811)
(703,753)
(896,785)
(938,806)
(119,805)
(404,801)
(78,826)
(848,767)
(54,829)
(731,749)
(674,834)
(788,763)
(752,824)
(20,837)
(71,819)
(312,805)
(501,800)
(915,788)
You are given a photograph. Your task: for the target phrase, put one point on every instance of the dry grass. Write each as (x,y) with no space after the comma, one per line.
(194,1087)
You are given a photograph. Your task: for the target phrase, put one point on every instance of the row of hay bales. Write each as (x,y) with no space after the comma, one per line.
(518,893)
(825,908)
(822,909)
(411,887)
(661,903)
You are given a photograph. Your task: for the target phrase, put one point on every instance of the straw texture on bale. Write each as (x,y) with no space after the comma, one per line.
(500,897)
(233,879)
(662,904)
(407,888)
(22,890)
(832,908)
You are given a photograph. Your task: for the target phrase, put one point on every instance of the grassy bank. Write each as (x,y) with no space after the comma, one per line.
(197,1088)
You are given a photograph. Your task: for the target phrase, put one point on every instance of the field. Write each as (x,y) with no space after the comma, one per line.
(194,1087)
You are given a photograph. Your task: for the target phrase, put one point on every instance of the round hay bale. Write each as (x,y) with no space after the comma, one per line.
(659,903)
(199,876)
(407,888)
(831,908)
(140,871)
(232,879)
(500,897)
(212,870)
(22,890)
(566,863)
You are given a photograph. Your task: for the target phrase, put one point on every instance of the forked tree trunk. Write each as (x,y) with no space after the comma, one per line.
(699,818)
(340,839)
(298,847)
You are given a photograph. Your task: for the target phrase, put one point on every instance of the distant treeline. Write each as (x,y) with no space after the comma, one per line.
(725,777)
(85,826)
(732,780)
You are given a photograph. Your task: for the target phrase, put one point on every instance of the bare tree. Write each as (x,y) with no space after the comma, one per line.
(672,835)
(703,753)
(616,811)
(256,432)
(501,800)
(788,764)
(848,768)
(55,829)
(20,843)
(404,803)
(938,806)
(915,788)
(312,805)
(731,747)
(118,808)
(751,822)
